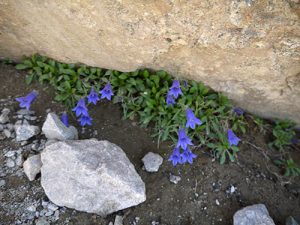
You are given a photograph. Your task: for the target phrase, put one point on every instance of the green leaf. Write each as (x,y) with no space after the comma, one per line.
(22,66)
(29,78)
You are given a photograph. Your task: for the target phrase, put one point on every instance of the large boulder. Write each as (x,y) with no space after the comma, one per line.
(91,176)
(248,49)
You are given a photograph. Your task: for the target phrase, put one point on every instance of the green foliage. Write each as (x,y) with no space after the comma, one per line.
(283,132)
(289,166)
(142,95)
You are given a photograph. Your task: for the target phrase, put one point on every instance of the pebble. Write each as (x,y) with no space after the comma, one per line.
(52,207)
(217,202)
(118,220)
(31,208)
(10,163)
(19,160)
(1,127)
(7,133)
(25,112)
(174,179)
(10,154)
(41,221)
(4,116)
(2,183)
(152,162)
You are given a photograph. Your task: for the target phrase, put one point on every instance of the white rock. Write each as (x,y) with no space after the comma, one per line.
(118,220)
(25,132)
(4,116)
(253,215)
(53,128)
(174,179)
(10,163)
(32,166)
(91,176)
(152,162)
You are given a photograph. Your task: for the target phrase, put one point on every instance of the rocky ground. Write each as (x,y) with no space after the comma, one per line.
(203,193)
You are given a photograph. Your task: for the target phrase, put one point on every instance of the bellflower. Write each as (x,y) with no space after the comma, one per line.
(183,139)
(232,138)
(238,111)
(80,109)
(106,92)
(25,102)
(175,89)
(175,157)
(187,156)
(192,120)
(85,120)
(170,100)
(93,97)
(64,119)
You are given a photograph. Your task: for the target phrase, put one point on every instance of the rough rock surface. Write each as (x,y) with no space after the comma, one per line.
(32,166)
(152,162)
(53,128)
(91,176)
(253,215)
(249,50)
(26,131)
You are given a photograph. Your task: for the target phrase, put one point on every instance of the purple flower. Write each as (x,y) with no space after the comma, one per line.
(93,97)
(80,109)
(25,102)
(232,138)
(85,120)
(175,157)
(106,92)
(187,156)
(185,84)
(170,100)
(64,119)
(238,111)
(175,89)
(183,139)
(192,120)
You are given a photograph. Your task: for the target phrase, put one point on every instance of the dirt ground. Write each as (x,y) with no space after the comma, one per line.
(201,196)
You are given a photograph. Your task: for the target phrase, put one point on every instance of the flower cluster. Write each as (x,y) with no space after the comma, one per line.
(173,93)
(93,97)
(186,155)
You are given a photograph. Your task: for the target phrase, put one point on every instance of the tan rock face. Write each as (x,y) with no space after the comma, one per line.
(248,49)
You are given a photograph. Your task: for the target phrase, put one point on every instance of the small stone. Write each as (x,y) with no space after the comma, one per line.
(1,127)
(35,146)
(7,133)
(23,143)
(253,215)
(174,179)
(10,154)
(52,207)
(53,128)
(56,214)
(10,163)
(32,118)
(24,112)
(19,160)
(118,220)
(152,162)
(291,221)
(32,166)
(10,127)
(25,132)
(31,208)
(4,116)
(2,183)
(49,213)
(217,202)
(41,221)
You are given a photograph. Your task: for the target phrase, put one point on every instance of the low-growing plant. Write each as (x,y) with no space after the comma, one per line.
(283,132)
(145,95)
(289,166)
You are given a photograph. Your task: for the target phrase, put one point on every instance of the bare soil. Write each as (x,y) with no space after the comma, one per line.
(201,196)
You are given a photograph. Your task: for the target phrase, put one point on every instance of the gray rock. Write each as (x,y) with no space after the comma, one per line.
(50,142)
(10,163)
(291,221)
(31,208)
(7,133)
(19,160)
(41,221)
(152,162)
(2,183)
(53,128)
(4,116)
(253,215)
(174,179)
(91,176)
(118,220)
(24,112)
(32,166)
(25,132)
